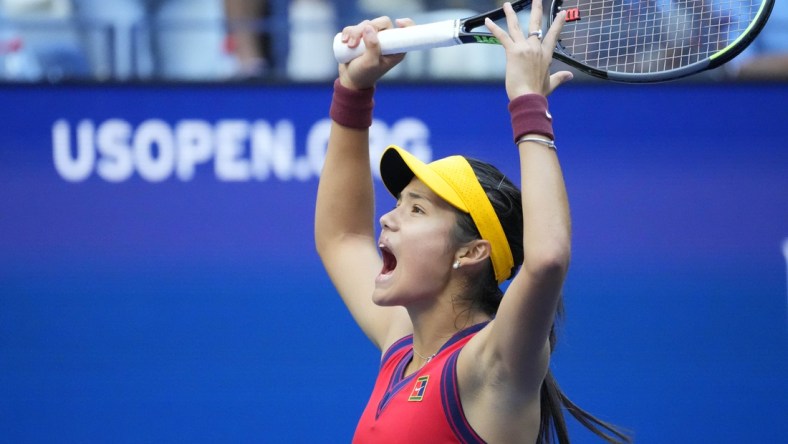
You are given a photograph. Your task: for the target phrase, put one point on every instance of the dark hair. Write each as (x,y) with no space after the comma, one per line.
(486,295)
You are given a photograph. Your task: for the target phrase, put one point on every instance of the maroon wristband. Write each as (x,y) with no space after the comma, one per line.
(352,108)
(530,116)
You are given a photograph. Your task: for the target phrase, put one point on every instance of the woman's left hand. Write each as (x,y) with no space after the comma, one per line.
(528,57)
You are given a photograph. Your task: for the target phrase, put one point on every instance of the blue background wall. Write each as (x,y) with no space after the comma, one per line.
(169,308)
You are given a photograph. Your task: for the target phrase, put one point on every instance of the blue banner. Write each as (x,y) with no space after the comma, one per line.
(158,279)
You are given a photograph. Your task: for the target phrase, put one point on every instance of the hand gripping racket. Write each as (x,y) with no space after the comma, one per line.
(633,41)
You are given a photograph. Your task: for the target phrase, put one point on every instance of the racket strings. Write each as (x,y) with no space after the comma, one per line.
(646,36)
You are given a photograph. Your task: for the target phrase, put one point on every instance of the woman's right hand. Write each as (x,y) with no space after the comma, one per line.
(363,72)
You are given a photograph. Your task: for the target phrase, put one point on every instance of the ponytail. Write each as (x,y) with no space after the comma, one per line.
(552,425)
(553,402)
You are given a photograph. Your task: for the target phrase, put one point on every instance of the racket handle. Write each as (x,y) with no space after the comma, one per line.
(399,40)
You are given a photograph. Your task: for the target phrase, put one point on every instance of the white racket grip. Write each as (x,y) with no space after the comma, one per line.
(399,40)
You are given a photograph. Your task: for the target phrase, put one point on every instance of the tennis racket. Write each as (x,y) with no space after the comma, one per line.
(634,41)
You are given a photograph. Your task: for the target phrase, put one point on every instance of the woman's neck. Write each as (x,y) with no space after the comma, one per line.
(433,327)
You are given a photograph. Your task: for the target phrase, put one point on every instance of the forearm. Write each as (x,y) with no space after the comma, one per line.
(345,198)
(546,220)
(526,313)
(345,203)
(518,349)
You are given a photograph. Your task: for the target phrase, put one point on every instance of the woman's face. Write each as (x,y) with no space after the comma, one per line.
(416,246)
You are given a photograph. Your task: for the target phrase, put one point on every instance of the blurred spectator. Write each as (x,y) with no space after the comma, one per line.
(481,6)
(248,38)
(37,42)
(167,39)
(392,8)
(313,25)
(410,8)
(767,56)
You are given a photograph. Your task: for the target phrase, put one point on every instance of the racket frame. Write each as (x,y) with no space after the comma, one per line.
(713,61)
(460,31)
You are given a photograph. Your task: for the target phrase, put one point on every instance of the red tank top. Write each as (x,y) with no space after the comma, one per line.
(423,407)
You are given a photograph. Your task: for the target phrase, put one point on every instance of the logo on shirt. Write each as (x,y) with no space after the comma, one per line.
(418,391)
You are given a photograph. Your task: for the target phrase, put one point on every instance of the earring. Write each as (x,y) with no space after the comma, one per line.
(456,264)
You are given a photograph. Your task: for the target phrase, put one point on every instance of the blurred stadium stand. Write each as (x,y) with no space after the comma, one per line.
(47,41)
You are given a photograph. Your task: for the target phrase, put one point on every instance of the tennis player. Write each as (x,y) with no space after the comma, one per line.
(461,362)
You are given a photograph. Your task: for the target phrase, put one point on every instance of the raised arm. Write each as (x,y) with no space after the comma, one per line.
(517,342)
(344,213)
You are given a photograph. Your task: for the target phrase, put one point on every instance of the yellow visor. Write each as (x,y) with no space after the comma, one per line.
(452,178)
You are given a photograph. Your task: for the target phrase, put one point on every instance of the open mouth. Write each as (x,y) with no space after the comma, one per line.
(389,260)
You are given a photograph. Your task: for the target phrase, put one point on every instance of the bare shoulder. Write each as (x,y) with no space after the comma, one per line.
(496,404)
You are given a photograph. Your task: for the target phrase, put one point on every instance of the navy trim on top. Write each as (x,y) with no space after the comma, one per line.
(397,380)
(396,383)
(462,334)
(452,405)
(395,347)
